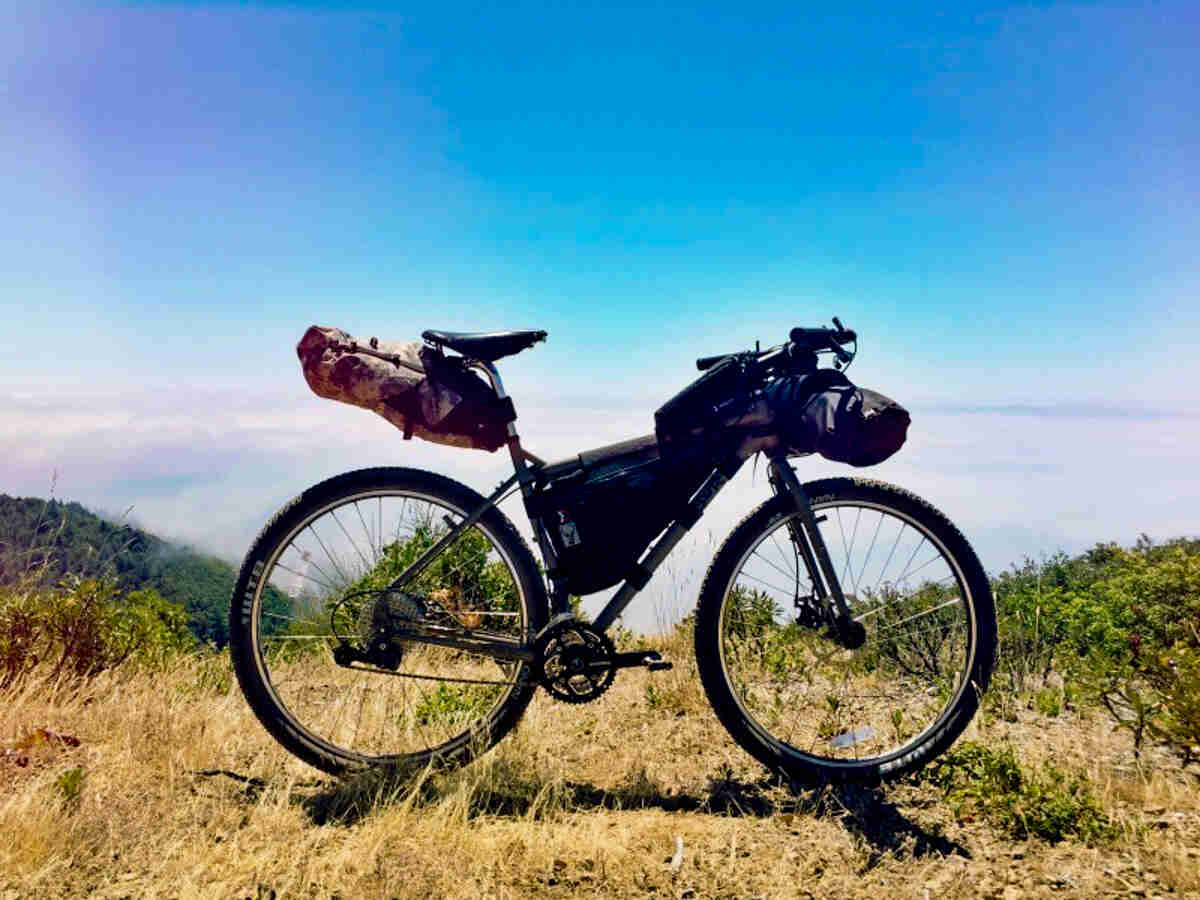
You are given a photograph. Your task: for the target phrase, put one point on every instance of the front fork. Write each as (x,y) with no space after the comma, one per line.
(806,537)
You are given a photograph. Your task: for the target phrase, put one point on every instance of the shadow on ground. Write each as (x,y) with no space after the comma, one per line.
(866,813)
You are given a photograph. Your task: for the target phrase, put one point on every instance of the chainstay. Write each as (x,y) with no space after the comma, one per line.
(379,671)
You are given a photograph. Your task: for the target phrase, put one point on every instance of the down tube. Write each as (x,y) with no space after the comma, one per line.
(661,550)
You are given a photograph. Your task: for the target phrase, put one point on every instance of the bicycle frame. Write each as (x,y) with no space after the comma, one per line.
(782,478)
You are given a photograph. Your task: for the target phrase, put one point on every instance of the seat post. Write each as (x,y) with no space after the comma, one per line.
(514,439)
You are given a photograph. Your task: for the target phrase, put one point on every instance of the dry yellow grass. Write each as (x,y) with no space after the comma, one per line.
(588,800)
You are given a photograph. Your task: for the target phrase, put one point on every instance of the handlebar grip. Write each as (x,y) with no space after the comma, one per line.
(817,338)
(707,362)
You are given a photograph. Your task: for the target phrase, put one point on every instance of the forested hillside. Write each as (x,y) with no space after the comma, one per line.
(67,538)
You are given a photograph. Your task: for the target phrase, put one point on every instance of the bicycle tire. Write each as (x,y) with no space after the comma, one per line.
(818,762)
(247,638)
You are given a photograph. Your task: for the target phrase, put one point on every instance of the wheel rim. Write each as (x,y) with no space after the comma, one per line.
(313,583)
(818,702)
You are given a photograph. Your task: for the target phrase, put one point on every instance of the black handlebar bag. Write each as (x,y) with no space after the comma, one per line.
(824,412)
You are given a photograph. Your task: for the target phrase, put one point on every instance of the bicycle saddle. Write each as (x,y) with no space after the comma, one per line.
(488,346)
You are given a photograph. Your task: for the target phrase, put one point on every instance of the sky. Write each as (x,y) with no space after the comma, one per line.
(1000,199)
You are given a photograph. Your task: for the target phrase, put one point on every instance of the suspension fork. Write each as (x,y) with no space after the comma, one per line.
(806,537)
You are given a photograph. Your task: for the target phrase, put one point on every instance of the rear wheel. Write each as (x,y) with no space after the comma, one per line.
(799,701)
(311,585)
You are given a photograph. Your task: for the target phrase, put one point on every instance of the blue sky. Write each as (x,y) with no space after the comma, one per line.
(1001,199)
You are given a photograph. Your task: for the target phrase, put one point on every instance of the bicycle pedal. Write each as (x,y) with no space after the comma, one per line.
(650,659)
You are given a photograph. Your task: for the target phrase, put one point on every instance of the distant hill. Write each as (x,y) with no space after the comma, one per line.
(70,538)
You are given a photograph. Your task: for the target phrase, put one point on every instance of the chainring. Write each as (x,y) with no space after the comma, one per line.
(575,663)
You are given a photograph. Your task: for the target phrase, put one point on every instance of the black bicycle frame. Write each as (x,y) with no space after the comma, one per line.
(807,539)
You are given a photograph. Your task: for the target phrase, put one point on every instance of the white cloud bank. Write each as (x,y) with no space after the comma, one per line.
(210,467)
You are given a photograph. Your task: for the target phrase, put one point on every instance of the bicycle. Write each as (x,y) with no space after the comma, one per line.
(393,617)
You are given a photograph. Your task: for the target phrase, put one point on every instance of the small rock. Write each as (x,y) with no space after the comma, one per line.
(686,893)
(1154,810)
(1018,854)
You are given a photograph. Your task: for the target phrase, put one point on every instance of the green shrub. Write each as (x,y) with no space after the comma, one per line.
(1121,627)
(1135,642)
(85,626)
(1046,804)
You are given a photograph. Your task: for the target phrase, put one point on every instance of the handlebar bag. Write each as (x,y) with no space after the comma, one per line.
(416,388)
(602,513)
(824,412)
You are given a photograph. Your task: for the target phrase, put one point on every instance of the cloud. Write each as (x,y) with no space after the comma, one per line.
(210,466)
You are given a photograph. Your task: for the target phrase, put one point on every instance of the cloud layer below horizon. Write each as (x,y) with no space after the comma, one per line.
(208,468)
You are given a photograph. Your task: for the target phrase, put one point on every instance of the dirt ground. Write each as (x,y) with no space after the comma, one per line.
(165,785)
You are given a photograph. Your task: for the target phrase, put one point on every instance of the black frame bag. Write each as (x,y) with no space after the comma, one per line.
(602,513)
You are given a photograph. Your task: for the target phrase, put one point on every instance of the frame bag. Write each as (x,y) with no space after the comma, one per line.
(823,412)
(601,515)
(415,387)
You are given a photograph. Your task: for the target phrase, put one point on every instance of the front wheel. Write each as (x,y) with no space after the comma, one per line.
(803,704)
(313,585)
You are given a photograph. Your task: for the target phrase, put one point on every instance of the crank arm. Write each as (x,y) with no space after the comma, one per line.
(651,659)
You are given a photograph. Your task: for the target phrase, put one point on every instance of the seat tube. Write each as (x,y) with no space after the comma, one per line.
(514,439)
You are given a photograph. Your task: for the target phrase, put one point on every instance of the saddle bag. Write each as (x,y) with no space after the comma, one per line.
(416,388)
(823,412)
(605,510)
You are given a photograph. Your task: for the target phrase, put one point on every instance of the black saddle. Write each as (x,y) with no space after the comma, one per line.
(489,346)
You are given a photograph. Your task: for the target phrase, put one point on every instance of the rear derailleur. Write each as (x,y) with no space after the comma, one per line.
(377,629)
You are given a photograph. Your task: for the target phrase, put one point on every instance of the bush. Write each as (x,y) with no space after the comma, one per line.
(1047,804)
(85,626)
(1135,642)
(1121,625)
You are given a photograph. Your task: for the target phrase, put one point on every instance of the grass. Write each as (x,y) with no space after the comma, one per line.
(166,785)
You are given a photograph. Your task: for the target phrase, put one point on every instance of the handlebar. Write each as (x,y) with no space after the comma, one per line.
(801,341)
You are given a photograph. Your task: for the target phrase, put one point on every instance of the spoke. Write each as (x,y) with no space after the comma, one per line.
(303,554)
(367,533)
(875,609)
(893,626)
(771,564)
(935,558)
(773,587)
(888,561)
(271,615)
(350,540)
(782,556)
(346,581)
(916,550)
(863,570)
(298,637)
(850,550)
(886,637)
